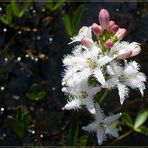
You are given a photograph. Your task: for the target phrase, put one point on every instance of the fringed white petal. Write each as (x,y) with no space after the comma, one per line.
(90,127)
(112,131)
(90,105)
(100,135)
(99,113)
(112,118)
(123,92)
(99,75)
(74,104)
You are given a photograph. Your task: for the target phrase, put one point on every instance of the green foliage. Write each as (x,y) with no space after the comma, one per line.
(71,21)
(67,24)
(35,93)
(74,130)
(83,140)
(7,18)
(127,119)
(141,118)
(54,6)
(13,10)
(20,124)
(142,130)
(139,121)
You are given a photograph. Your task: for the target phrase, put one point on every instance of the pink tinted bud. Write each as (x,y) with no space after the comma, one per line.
(111,23)
(87,42)
(124,54)
(135,48)
(108,44)
(120,33)
(114,29)
(96,29)
(104,19)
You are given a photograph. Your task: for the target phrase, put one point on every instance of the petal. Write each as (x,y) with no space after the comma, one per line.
(100,135)
(112,131)
(112,118)
(141,90)
(123,92)
(99,115)
(90,127)
(105,59)
(74,104)
(99,75)
(90,105)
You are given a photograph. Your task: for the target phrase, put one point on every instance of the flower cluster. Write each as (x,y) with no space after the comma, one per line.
(100,64)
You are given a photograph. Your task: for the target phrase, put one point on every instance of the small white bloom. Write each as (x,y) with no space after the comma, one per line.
(124,50)
(83,32)
(83,95)
(102,125)
(124,77)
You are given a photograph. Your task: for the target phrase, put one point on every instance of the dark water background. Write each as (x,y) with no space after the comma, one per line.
(53,126)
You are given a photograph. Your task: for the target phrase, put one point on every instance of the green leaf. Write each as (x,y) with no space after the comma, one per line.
(15,8)
(58,5)
(77,16)
(50,5)
(20,124)
(67,24)
(53,6)
(127,119)
(35,93)
(24,8)
(4,20)
(142,130)
(18,128)
(8,16)
(74,131)
(83,140)
(141,118)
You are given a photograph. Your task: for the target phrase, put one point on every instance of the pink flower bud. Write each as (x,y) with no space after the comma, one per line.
(87,42)
(96,29)
(124,54)
(135,48)
(104,19)
(120,33)
(111,23)
(114,28)
(108,44)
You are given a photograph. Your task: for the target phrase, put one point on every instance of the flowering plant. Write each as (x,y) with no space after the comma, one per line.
(98,64)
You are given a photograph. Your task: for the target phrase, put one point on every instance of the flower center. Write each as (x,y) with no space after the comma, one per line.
(91,63)
(83,94)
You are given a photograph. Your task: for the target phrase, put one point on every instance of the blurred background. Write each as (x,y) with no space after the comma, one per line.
(33,40)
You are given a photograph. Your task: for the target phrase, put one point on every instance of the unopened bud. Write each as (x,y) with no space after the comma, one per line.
(120,33)
(96,29)
(108,44)
(111,23)
(114,28)
(104,19)
(87,42)
(124,54)
(135,48)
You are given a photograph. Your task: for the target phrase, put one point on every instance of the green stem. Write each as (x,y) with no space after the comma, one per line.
(121,137)
(104,95)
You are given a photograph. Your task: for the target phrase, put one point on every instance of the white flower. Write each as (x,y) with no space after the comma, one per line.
(125,50)
(83,32)
(91,59)
(102,125)
(124,77)
(82,95)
